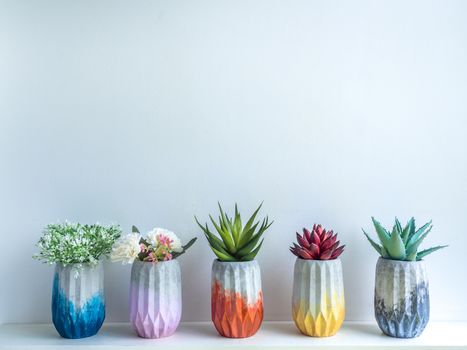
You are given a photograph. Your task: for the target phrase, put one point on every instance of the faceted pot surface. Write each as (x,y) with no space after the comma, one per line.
(78,304)
(402,301)
(236,298)
(318,304)
(155,298)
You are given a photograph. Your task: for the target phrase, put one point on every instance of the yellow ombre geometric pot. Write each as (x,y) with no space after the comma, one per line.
(318,305)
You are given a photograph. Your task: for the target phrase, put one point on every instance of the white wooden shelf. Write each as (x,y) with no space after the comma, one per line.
(202,335)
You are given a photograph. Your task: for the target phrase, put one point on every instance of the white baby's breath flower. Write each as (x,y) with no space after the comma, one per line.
(153,235)
(126,249)
(68,243)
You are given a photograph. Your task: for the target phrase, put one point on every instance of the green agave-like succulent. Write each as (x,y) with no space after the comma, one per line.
(402,243)
(236,242)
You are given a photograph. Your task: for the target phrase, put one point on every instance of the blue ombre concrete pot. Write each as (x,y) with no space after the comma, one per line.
(402,302)
(78,305)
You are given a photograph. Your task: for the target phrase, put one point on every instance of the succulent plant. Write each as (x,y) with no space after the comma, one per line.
(236,242)
(402,243)
(318,244)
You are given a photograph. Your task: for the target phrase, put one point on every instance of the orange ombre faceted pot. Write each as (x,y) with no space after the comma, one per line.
(236,298)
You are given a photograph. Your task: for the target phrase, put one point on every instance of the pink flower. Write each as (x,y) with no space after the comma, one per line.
(142,247)
(164,240)
(168,257)
(159,237)
(152,257)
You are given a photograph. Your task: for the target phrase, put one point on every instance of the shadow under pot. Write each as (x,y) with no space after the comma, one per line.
(402,302)
(155,298)
(318,303)
(236,298)
(78,304)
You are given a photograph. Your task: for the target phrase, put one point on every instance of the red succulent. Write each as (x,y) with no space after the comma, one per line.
(318,244)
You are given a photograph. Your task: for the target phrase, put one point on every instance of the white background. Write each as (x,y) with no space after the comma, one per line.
(148,112)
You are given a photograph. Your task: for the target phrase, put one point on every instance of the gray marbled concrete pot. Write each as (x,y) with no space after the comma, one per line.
(155,298)
(402,302)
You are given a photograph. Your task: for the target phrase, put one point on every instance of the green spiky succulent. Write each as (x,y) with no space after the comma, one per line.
(236,242)
(402,243)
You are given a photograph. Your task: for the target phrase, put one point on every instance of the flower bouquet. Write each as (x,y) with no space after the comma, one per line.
(155,288)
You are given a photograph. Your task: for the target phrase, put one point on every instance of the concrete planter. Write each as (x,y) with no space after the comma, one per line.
(78,304)
(236,298)
(402,302)
(155,298)
(318,304)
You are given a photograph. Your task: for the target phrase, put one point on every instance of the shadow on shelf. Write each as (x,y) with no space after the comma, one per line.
(205,331)
(369,330)
(285,328)
(123,331)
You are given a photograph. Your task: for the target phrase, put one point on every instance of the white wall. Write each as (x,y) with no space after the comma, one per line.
(147,112)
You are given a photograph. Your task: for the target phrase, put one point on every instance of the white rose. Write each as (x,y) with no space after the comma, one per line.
(126,249)
(152,238)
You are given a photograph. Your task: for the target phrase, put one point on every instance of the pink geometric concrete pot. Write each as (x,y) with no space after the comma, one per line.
(155,298)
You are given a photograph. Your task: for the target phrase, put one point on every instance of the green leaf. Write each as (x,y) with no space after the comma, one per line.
(412,248)
(215,242)
(218,247)
(250,221)
(134,229)
(383,235)
(217,227)
(185,247)
(142,240)
(199,224)
(423,253)
(396,247)
(405,233)
(226,237)
(419,232)
(205,229)
(246,236)
(411,256)
(237,225)
(384,253)
(190,243)
(223,256)
(399,226)
(394,230)
(212,239)
(411,224)
(224,219)
(265,225)
(252,255)
(223,224)
(250,246)
(223,216)
(373,243)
